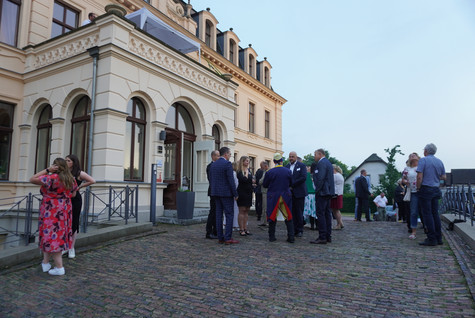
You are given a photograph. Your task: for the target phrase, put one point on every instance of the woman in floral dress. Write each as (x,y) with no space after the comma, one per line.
(55,216)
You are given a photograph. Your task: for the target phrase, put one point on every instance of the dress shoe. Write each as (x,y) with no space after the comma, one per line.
(428,243)
(272,239)
(318,241)
(57,271)
(290,240)
(211,236)
(72,253)
(299,234)
(369,220)
(46,267)
(231,241)
(221,241)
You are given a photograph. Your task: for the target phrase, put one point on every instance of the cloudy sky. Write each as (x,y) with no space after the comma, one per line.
(362,76)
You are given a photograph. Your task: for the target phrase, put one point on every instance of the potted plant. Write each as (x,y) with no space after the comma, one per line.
(185,203)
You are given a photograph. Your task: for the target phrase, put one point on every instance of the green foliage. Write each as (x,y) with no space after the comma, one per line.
(388,181)
(348,203)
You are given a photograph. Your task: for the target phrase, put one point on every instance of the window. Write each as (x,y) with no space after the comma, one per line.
(266,76)
(217,138)
(232,46)
(6,131)
(80,129)
(179,118)
(252,164)
(267,124)
(251,65)
(43,139)
(9,20)
(134,140)
(251,117)
(65,19)
(208,33)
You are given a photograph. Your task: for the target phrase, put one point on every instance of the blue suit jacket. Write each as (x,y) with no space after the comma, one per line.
(299,188)
(222,180)
(361,188)
(323,178)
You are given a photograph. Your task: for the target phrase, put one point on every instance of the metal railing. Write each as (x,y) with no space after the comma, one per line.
(19,215)
(460,201)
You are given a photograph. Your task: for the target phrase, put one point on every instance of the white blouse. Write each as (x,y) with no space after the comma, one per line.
(339,183)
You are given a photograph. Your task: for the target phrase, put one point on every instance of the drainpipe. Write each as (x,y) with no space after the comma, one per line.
(94,53)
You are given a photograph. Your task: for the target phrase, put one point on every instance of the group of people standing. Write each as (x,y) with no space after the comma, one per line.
(60,210)
(280,190)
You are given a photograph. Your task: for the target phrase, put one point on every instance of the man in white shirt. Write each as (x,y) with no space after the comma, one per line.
(90,17)
(381,201)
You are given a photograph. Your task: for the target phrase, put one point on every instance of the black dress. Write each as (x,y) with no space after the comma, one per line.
(244,189)
(77,206)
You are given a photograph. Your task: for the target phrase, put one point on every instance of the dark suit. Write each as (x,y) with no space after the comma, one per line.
(324,190)
(211,222)
(258,192)
(362,194)
(299,192)
(223,189)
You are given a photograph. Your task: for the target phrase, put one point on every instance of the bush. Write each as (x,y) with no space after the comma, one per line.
(348,203)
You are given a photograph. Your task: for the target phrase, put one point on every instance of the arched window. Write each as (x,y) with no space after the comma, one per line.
(216,137)
(251,65)
(178,118)
(135,140)
(80,129)
(232,46)
(266,76)
(43,139)
(6,131)
(208,33)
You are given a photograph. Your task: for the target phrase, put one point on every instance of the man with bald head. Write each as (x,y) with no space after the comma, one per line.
(299,191)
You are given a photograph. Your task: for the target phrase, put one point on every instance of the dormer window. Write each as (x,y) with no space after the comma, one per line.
(208,33)
(232,47)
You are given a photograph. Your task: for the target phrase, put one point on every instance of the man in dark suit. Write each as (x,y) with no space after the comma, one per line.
(211,232)
(277,181)
(324,190)
(223,189)
(299,191)
(362,194)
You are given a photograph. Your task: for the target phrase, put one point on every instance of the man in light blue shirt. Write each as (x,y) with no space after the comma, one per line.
(430,170)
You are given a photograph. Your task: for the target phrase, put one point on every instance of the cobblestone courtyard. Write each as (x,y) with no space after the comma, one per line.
(369,270)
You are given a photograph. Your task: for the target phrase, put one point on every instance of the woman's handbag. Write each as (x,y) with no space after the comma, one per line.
(407,196)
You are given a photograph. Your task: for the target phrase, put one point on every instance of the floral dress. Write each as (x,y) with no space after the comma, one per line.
(55,217)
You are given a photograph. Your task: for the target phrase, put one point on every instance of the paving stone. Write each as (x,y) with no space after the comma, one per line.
(369,270)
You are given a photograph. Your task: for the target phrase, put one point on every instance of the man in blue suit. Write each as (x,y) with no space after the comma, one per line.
(362,194)
(299,191)
(277,181)
(324,190)
(223,189)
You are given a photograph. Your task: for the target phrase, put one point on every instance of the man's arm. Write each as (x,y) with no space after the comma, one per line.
(419,180)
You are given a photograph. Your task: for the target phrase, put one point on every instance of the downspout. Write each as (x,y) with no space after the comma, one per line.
(94,53)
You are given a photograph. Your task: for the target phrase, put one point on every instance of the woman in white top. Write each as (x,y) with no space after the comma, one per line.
(336,203)
(409,178)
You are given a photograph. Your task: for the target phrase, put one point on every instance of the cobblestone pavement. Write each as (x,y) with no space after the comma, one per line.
(369,270)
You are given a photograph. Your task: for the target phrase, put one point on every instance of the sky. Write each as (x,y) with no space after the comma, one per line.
(361,76)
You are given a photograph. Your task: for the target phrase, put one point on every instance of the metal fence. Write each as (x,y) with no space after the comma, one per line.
(460,201)
(19,215)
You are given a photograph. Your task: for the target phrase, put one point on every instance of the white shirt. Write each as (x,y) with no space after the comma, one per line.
(380,201)
(339,183)
(86,22)
(292,166)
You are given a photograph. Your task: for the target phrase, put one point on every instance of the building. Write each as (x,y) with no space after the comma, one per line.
(375,168)
(157,99)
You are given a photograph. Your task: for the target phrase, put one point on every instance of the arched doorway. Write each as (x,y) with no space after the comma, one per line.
(178,167)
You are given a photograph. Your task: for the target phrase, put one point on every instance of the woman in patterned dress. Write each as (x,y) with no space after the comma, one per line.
(55,218)
(309,212)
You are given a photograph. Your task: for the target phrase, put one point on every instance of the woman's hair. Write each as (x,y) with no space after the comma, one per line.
(240,164)
(235,166)
(64,173)
(415,158)
(76,168)
(337,169)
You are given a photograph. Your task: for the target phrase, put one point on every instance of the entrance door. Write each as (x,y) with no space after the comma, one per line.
(172,167)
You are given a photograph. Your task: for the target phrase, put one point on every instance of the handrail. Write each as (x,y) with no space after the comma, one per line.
(459,199)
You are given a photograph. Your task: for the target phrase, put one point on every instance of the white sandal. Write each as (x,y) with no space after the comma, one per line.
(412,237)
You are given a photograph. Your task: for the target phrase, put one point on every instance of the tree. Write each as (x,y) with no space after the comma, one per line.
(388,181)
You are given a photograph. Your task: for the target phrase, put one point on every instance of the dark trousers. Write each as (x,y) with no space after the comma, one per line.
(297,213)
(429,201)
(259,205)
(288,224)
(324,215)
(211,223)
(224,206)
(363,206)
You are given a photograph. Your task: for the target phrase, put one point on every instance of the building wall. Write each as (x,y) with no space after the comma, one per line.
(373,169)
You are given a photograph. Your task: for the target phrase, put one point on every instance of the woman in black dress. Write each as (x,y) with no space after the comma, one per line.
(80,176)
(244,190)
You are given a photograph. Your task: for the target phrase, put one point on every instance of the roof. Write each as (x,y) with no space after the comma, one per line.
(371,159)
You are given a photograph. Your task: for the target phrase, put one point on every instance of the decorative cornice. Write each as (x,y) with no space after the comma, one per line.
(174,65)
(65,51)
